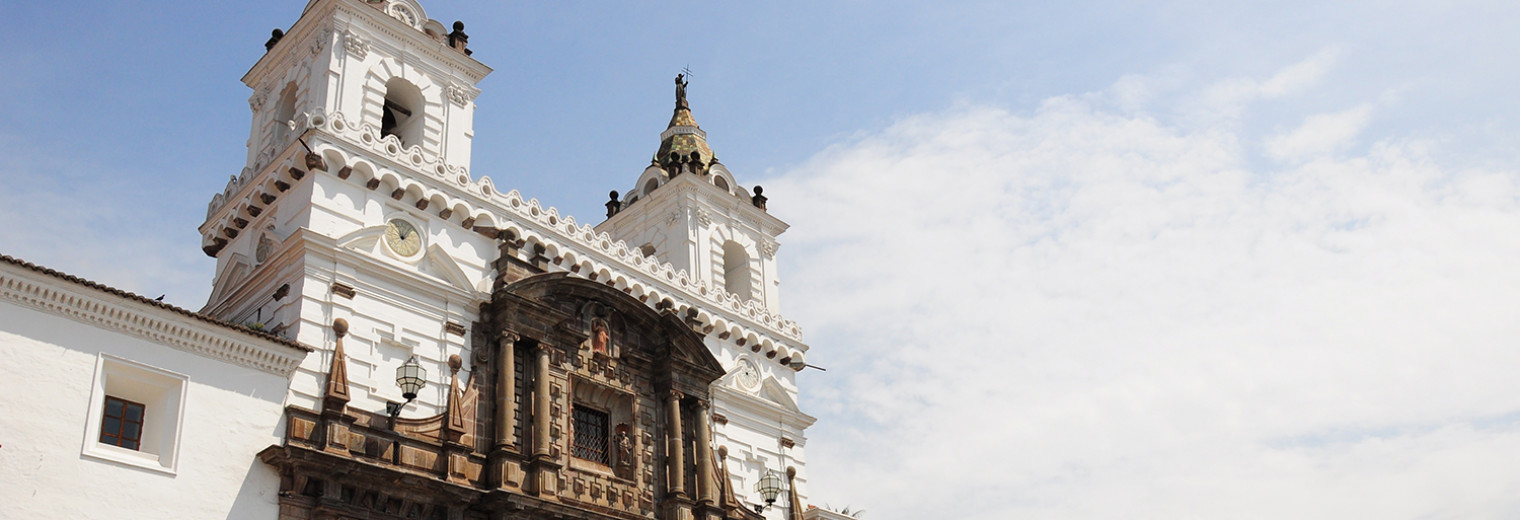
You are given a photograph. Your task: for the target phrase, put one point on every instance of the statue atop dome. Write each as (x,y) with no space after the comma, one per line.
(681,92)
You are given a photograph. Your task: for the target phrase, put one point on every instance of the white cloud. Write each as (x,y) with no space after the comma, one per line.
(1226,100)
(1320,134)
(1302,75)
(1083,313)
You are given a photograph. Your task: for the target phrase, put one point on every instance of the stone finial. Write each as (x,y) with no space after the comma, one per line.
(458,40)
(795,512)
(613,206)
(337,396)
(759,199)
(274,39)
(454,426)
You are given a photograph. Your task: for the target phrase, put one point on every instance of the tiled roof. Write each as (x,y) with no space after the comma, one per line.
(682,117)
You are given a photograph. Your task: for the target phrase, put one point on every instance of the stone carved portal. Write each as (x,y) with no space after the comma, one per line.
(641,396)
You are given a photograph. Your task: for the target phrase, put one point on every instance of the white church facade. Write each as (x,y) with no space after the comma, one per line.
(392,336)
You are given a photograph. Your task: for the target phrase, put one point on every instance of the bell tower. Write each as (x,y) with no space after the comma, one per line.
(411,80)
(361,130)
(687,209)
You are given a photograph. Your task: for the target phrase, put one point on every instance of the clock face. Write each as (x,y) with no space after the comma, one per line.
(402,237)
(749,374)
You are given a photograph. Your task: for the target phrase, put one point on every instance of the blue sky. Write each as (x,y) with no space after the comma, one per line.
(1063,260)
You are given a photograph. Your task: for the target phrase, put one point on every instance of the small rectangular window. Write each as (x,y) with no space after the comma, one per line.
(591,435)
(136,414)
(121,424)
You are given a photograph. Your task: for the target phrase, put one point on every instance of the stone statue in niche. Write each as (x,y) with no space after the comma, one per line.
(601,340)
(624,442)
(600,324)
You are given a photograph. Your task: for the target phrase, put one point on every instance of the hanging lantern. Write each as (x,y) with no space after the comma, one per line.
(769,487)
(411,378)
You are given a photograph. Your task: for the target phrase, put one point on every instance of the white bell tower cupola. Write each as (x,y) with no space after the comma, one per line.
(687,209)
(353,91)
(411,84)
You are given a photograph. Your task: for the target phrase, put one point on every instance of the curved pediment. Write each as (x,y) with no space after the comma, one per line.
(630,327)
(435,260)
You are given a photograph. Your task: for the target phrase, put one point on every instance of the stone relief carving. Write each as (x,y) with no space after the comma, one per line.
(257,101)
(460,94)
(320,41)
(355,45)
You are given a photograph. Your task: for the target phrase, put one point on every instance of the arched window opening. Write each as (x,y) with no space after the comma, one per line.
(650,186)
(283,113)
(401,115)
(736,273)
(720,183)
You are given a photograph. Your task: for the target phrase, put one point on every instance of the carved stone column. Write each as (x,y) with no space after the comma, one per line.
(541,404)
(674,454)
(545,468)
(703,450)
(506,391)
(506,471)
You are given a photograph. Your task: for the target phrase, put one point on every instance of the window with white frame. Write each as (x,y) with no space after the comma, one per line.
(136,414)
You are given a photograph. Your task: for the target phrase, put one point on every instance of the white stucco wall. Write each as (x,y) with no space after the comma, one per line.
(230,412)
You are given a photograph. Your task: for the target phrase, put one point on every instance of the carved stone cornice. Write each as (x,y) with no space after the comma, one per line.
(511,213)
(55,293)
